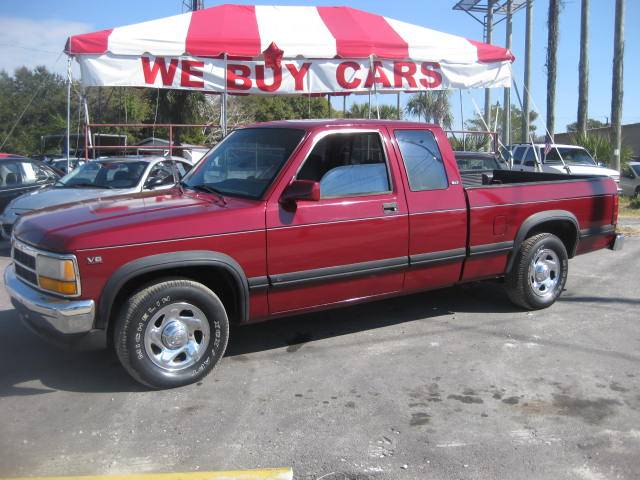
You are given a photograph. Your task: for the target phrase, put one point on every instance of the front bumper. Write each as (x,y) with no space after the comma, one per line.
(58,319)
(617,243)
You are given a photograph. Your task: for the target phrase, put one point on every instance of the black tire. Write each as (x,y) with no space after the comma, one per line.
(636,194)
(520,282)
(130,333)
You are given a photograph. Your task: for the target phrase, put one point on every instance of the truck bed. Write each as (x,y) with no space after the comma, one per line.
(489,178)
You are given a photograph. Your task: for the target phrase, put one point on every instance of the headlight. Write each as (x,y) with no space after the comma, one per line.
(57,275)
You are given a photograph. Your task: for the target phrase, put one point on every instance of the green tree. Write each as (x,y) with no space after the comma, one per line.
(265,109)
(591,124)
(361,110)
(477,124)
(433,106)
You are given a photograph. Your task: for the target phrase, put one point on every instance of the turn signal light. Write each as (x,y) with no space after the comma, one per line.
(58,286)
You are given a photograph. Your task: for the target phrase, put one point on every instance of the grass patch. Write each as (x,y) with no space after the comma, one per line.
(629,207)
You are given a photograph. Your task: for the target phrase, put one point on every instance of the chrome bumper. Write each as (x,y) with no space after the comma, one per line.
(49,315)
(617,243)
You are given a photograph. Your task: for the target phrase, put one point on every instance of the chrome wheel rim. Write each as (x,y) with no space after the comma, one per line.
(176,336)
(544,272)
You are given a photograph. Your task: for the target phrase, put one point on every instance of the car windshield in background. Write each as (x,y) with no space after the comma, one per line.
(571,156)
(478,163)
(246,162)
(112,174)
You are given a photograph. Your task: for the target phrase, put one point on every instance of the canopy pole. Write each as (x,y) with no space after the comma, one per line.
(372,72)
(223,104)
(68,109)
(399,115)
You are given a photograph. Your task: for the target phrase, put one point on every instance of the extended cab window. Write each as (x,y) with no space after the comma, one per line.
(246,162)
(347,165)
(422,159)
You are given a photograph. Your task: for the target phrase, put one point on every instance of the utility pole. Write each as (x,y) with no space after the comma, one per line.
(553,21)
(583,70)
(488,37)
(526,122)
(506,107)
(617,88)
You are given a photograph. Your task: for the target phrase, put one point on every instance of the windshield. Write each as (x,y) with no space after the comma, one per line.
(112,174)
(636,168)
(246,162)
(571,156)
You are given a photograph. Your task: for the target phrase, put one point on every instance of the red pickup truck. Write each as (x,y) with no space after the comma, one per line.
(287,217)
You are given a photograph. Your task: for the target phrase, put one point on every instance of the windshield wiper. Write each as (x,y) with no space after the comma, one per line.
(206,188)
(84,185)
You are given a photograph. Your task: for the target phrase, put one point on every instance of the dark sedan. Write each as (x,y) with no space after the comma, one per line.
(19,175)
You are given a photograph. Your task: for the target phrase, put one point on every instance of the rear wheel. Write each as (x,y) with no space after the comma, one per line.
(636,194)
(539,272)
(171,333)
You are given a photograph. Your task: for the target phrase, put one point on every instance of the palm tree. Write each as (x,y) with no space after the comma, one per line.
(434,106)
(553,22)
(361,110)
(617,92)
(583,70)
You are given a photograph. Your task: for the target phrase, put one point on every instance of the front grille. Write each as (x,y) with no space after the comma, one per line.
(26,274)
(25,264)
(24,259)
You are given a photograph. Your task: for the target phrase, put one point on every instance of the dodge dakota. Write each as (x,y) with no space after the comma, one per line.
(288,217)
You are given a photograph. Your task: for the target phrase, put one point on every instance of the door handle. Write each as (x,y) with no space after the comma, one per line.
(390,207)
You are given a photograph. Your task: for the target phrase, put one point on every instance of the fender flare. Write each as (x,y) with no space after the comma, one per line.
(165,261)
(537,219)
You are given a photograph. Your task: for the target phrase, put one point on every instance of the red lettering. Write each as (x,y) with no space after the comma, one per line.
(238,77)
(377,75)
(159,65)
(298,75)
(404,71)
(277,79)
(341,75)
(188,71)
(434,78)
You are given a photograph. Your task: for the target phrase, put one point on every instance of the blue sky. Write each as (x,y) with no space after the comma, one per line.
(33,32)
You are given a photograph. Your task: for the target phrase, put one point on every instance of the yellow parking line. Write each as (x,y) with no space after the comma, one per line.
(260,474)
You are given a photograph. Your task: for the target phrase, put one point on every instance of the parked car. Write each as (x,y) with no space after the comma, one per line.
(19,175)
(289,217)
(98,179)
(568,159)
(477,168)
(630,179)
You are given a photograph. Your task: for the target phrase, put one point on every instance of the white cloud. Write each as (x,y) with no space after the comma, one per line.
(27,42)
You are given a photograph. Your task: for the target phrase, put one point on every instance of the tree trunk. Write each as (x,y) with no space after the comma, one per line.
(616,98)
(552,61)
(583,70)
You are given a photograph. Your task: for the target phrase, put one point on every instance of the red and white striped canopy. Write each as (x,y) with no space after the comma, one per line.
(254,33)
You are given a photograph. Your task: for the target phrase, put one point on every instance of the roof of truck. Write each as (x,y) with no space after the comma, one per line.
(341,122)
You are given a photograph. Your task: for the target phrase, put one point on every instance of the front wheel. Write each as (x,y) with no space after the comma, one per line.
(171,333)
(539,272)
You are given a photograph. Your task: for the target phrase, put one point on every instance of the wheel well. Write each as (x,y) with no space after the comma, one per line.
(565,230)
(219,280)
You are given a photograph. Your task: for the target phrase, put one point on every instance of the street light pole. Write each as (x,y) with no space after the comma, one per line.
(526,123)
(506,107)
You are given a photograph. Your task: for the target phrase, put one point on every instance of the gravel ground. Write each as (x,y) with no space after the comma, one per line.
(452,384)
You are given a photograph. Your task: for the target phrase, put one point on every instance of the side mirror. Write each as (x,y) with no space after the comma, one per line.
(299,190)
(158,181)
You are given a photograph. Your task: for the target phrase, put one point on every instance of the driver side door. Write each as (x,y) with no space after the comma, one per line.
(350,244)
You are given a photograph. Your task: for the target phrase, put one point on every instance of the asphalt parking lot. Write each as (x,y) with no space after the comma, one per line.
(451,384)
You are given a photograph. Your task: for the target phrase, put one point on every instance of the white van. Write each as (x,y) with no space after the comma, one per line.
(569,159)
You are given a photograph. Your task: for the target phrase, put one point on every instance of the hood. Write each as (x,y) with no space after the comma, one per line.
(137,218)
(51,197)
(587,170)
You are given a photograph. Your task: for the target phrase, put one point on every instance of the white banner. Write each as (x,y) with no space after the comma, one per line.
(292,77)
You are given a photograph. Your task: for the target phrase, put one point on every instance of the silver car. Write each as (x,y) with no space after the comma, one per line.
(99,179)
(630,179)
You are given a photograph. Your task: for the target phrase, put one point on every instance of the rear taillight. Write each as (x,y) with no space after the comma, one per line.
(616,202)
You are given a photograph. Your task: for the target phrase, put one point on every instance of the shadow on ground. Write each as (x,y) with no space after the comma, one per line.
(29,358)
